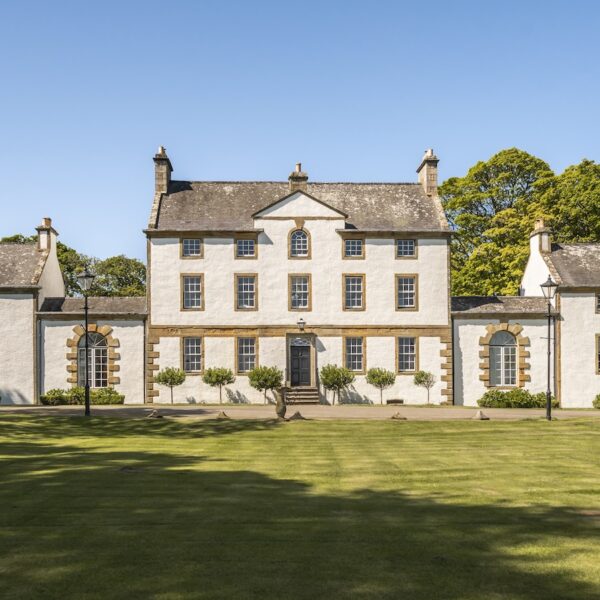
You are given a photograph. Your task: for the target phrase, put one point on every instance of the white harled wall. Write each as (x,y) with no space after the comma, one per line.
(466,333)
(130,333)
(17,349)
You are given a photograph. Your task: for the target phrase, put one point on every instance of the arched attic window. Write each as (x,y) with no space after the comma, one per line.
(503,359)
(299,244)
(97,361)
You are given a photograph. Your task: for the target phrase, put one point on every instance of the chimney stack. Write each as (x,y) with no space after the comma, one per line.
(162,171)
(541,236)
(298,179)
(427,171)
(46,235)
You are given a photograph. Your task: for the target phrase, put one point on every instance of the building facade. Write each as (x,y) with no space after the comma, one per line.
(298,274)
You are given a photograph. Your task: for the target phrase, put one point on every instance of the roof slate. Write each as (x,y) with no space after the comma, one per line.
(492,305)
(226,206)
(576,265)
(97,305)
(20,265)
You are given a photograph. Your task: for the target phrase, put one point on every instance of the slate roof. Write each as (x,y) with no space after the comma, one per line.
(494,305)
(20,265)
(105,306)
(575,265)
(229,205)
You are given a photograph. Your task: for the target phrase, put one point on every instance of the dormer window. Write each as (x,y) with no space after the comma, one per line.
(299,244)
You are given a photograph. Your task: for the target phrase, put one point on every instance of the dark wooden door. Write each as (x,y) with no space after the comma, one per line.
(300,365)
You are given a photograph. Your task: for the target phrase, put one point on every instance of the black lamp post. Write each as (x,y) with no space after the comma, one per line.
(85,281)
(549,290)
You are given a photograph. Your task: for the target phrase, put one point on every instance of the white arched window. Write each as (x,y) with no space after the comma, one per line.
(503,359)
(299,244)
(97,361)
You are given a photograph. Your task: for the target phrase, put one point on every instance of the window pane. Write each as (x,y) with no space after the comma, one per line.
(406,290)
(192,247)
(354,353)
(97,364)
(192,354)
(510,365)
(353,293)
(407,353)
(192,291)
(495,366)
(245,248)
(246,292)
(405,248)
(299,290)
(299,243)
(246,358)
(353,247)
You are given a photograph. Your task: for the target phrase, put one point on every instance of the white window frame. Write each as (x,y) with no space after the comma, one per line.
(193,354)
(503,362)
(97,361)
(406,248)
(246,291)
(242,248)
(354,295)
(406,361)
(246,354)
(299,244)
(354,248)
(354,353)
(185,247)
(192,292)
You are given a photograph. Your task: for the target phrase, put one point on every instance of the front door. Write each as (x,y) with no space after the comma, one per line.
(300,360)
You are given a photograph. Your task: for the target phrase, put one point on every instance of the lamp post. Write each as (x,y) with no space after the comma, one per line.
(549,290)
(85,281)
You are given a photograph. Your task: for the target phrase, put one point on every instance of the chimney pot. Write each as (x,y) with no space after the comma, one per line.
(428,174)
(298,179)
(162,171)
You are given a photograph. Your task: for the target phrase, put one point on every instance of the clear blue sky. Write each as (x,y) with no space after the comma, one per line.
(243,90)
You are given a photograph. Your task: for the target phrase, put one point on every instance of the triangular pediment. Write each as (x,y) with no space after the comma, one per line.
(299,204)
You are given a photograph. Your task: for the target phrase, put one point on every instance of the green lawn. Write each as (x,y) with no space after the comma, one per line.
(172,509)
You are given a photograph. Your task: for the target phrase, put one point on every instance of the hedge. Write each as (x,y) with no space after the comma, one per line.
(515,398)
(76,395)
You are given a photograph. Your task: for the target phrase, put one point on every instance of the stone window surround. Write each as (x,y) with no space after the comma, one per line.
(523,365)
(113,355)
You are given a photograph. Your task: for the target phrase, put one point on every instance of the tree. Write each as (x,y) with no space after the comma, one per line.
(72,263)
(492,210)
(572,203)
(336,379)
(171,377)
(426,380)
(119,276)
(19,238)
(218,377)
(264,379)
(381,379)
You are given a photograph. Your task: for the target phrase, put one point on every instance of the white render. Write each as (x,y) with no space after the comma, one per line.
(468,388)
(130,335)
(17,350)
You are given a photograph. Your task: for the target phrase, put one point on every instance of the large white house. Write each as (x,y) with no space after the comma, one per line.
(297,275)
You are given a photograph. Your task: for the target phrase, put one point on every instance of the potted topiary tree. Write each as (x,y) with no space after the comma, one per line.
(336,379)
(381,379)
(171,377)
(218,377)
(426,380)
(264,379)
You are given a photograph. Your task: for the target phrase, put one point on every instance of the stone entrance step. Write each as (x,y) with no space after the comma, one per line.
(302,395)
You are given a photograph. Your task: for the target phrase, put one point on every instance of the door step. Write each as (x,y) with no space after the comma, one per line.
(302,395)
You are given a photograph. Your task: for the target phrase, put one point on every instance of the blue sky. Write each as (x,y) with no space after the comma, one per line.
(243,90)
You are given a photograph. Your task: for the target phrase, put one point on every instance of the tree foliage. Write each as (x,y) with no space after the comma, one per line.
(264,379)
(381,379)
(336,379)
(171,377)
(218,377)
(426,380)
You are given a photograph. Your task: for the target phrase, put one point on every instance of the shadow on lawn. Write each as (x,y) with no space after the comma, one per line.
(153,525)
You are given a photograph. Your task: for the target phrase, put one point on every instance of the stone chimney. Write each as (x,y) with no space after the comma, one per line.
(428,175)
(541,235)
(298,179)
(46,235)
(162,171)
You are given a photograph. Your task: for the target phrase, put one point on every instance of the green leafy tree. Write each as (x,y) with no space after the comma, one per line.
(119,276)
(492,210)
(218,377)
(336,379)
(72,263)
(381,379)
(426,380)
(171,377)
(264,379)
(19,238)
(572,203)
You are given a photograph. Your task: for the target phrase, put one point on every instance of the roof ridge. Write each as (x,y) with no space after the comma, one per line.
(240,181)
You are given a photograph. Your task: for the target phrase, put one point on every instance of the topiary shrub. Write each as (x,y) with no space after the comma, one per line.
(424,379)
(336,379)
(381,379)
(515,398)
(218,377)
(54,397)
(596,402)
(171,377)
(264,379)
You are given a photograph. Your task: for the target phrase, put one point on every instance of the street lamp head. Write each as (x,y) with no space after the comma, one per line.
(85,280)
(301,324)
(549,288)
